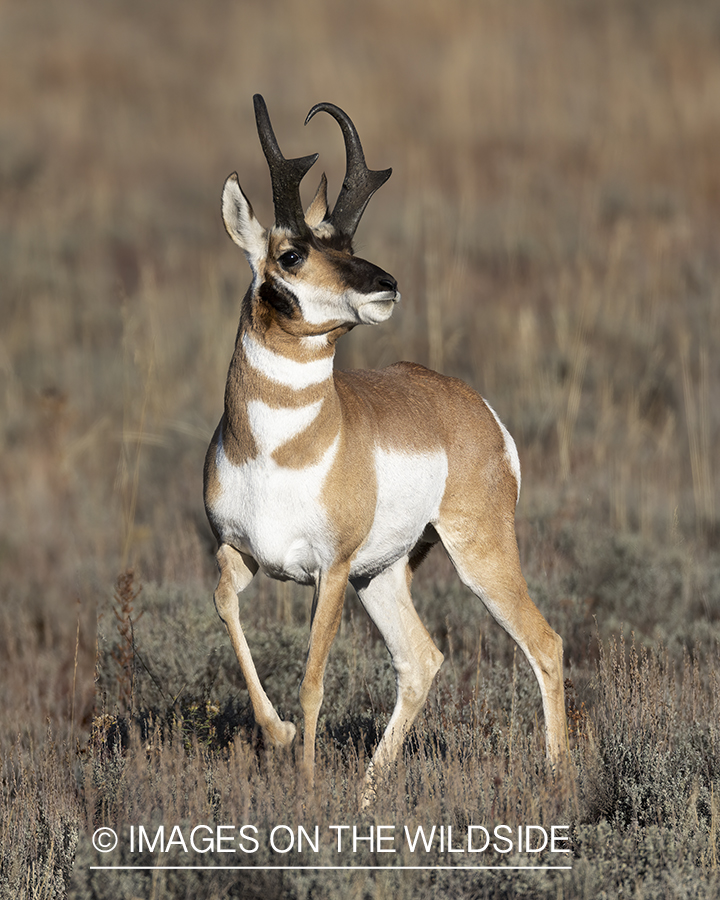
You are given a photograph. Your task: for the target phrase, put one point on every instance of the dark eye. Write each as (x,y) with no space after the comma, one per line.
(290,259)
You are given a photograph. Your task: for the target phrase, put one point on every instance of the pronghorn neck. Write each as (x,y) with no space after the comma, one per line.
(308,289)
(280,399)
(273,362)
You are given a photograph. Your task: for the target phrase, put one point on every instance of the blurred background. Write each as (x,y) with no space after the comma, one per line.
(552,220)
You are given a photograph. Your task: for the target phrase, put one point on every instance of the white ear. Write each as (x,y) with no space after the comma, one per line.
(240,222)
(318,209)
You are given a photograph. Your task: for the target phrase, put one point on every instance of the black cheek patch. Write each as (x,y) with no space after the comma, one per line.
(280,298)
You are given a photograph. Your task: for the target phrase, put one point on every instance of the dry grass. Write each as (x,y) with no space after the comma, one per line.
(552,222)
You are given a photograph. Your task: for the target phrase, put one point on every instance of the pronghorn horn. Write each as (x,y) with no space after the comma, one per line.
(360,182)
(285,174)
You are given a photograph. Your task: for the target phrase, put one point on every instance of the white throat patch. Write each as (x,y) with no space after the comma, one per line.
(274,426)
(286,371)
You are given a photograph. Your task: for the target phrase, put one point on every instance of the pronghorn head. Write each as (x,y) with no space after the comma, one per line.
(306,279)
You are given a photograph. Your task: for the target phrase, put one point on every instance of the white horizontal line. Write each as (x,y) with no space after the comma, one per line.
(333,868)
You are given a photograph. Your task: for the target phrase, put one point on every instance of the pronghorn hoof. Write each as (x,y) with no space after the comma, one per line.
(281,735)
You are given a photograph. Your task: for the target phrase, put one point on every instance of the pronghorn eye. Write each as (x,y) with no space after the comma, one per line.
(290,259)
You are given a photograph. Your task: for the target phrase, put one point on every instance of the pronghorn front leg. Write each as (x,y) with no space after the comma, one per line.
(327,611)
(236,572)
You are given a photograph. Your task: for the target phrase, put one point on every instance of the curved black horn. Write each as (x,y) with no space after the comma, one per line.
(360,182)
(285,174)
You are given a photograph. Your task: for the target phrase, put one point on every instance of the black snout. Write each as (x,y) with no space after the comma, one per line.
(386,282)
(365,277)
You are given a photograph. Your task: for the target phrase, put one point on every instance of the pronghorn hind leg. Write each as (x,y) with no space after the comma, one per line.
(327,611)
(236,572)
(491,569)
(415,658)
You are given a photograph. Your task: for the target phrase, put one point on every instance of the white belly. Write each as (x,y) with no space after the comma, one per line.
(275,514)
(410,488)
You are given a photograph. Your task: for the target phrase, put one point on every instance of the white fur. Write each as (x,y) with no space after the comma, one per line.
(241,224)
(283,370)
(510,449)
(378,308)
(274,426)
(410,488)
(314,341)
(275,514)
(320,306)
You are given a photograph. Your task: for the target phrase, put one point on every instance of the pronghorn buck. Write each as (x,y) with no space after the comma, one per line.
(328,477)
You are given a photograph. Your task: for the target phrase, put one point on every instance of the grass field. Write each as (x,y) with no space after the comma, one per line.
(552,221)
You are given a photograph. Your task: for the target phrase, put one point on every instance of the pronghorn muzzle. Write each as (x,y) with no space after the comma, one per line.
(365,277)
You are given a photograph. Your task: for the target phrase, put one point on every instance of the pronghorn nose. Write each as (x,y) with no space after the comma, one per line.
(386,282)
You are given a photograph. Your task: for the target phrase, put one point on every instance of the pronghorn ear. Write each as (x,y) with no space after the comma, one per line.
(318,209)
(240,221)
